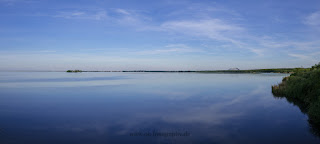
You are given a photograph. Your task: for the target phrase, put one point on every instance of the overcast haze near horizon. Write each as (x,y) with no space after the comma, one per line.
(158,35)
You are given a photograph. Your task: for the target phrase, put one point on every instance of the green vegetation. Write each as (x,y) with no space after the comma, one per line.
(302,88)
(74,71)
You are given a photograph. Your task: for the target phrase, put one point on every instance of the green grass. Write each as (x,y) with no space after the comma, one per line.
(302,88)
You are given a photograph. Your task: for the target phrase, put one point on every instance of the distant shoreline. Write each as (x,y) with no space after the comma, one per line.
(274,70)
(280,70)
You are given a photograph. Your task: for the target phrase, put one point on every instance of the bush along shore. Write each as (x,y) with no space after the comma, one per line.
(302,88)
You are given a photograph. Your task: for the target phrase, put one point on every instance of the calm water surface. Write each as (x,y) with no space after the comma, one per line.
(103,108)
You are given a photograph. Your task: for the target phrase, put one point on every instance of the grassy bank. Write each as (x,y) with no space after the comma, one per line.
(302,88)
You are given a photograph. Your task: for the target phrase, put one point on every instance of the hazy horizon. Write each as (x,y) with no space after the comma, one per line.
(159,35)
(101,70)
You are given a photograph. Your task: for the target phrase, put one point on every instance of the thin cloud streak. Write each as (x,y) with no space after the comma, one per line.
(98,15)
(313,19)
(171,49)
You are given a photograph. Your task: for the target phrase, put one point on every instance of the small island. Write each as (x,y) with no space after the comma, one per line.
(302,88)
(74,71)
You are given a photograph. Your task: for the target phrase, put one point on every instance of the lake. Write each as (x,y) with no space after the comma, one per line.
(163,108)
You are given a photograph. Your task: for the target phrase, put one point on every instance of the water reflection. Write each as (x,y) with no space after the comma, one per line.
(75,79)
(313,123)
(213,108)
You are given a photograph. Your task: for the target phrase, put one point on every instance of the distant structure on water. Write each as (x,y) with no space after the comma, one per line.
(234,69)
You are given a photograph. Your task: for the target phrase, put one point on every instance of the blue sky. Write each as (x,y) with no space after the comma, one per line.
(158,35)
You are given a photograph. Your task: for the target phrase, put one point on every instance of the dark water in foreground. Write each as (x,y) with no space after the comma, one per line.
(89,108)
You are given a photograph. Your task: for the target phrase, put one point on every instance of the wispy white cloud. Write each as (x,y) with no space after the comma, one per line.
(202,11)
(122,11)
(311,57)
(118,16)
(96,15)
(313,19)
(131,18)
(217,30)
(202,25)
(257,51)
(278,43)
(212,28)
(13,2)
(300,56)
(172,48)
